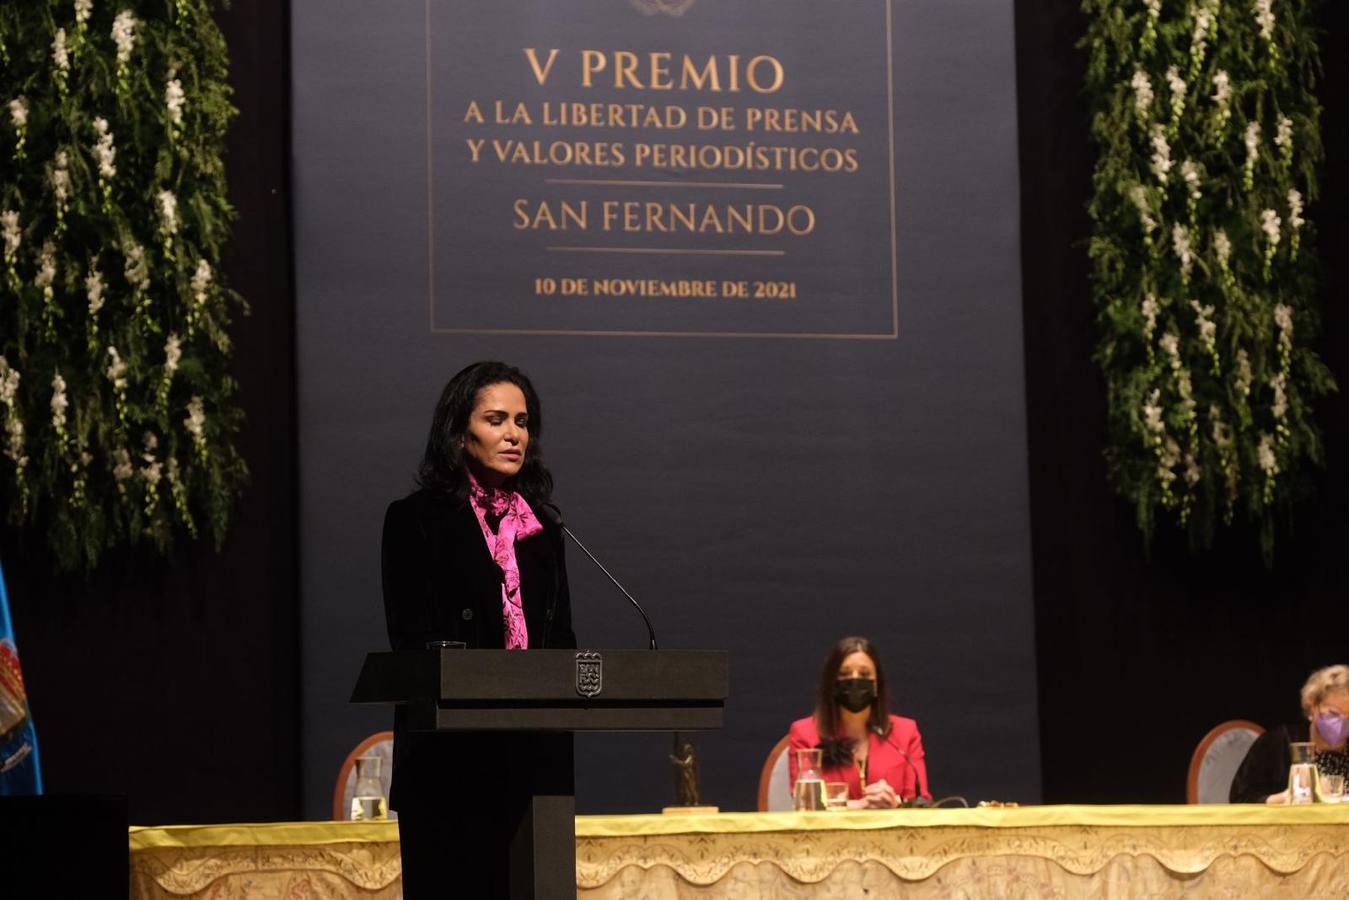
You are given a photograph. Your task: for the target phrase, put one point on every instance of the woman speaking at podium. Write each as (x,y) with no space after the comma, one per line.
(465,558)
(879,755)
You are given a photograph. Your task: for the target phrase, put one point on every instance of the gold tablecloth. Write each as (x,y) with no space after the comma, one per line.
(1046,851)
(309,860)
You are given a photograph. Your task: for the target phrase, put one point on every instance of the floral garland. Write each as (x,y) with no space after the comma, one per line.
(1209,146)
(119,411)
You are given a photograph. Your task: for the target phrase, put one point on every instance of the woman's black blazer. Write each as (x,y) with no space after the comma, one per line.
(441,584)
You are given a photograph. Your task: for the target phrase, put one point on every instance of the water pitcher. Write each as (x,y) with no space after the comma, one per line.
(369,802)
(1302,773)
(809,792)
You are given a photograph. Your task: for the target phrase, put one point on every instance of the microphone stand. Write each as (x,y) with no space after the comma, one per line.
(556,516)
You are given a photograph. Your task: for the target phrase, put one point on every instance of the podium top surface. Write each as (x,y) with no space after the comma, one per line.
(561,677)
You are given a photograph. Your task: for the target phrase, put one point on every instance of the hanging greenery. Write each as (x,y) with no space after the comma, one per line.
(1209,144)
(119,411)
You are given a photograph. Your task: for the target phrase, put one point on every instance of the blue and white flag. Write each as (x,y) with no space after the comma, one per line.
(20,772)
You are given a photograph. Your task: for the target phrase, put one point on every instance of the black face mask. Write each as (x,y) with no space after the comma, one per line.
(855,694)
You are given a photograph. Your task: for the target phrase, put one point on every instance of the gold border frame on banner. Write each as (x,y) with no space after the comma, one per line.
(890,335)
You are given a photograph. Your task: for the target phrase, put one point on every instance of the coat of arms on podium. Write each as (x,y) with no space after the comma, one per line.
(589,673)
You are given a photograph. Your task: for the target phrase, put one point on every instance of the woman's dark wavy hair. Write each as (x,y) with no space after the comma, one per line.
(826,708)
(444,464)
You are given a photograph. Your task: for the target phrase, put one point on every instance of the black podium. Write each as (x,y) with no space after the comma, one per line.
(540,698)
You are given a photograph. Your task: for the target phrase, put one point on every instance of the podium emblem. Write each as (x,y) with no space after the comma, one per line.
(589,673)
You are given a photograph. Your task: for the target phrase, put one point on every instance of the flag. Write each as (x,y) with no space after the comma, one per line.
(19,769)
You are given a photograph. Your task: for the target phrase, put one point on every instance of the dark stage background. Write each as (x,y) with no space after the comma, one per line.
(1139,657)
(181,684)
(762,496)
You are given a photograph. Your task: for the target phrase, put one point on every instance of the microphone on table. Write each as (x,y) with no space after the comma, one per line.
(917,800)
(554,515)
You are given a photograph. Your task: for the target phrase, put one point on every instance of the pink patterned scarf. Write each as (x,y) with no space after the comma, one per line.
(505,518)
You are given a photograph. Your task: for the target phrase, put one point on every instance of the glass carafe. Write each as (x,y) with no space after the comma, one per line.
(809,792)
(368,801)
(1302,772)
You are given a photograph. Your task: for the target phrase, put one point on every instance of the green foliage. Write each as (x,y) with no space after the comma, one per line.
(119,412)
(1208,136)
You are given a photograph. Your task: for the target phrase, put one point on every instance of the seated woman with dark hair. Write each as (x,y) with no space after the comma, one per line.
(878,755)
(1263,776)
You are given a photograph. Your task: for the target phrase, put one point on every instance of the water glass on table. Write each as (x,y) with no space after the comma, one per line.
(1332,788)
(836,795)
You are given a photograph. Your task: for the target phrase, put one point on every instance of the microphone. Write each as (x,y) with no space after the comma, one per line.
(917,800)
(554,515)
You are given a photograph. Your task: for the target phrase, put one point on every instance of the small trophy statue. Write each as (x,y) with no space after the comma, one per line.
(684,761)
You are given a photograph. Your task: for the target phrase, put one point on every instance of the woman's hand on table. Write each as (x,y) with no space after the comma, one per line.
(879,795)
(1279,799)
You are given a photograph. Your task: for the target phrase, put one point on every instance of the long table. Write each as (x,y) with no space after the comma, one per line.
(1097,851)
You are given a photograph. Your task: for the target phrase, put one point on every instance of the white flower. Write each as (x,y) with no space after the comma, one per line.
(1243,377)
(1264,17)
(116,370)
(46,271)
(1203,21)
(1222,89)
(1279,384)
(1170,455)
(1269,224)
(1154,8)
(1139,195)
(1252,143)
(1222,246)
(93,286)
(122,470)
(124,35)
(136,272)
(1208,330)
(1171,344)
(9,383)
(59,403)
(1161,154)
(9,389)
(9,224)
(1178,89)
(173,352)
(174,98)
(1180,242)
(18,113)
(1192,471)
(1283,317)
(1184,385)
(1295,220)
(168,212)
(195,422)
(1150,310)
(1142,86)
(60,177)
(1283,135)
(1265,454)
(1152,413)
(83,9)
(1190,172)
(201,281)
(60,55)
(104,149)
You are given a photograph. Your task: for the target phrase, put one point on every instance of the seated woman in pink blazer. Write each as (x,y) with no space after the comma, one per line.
(878,755)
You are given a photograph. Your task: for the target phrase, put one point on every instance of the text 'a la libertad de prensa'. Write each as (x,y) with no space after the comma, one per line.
(667,117)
